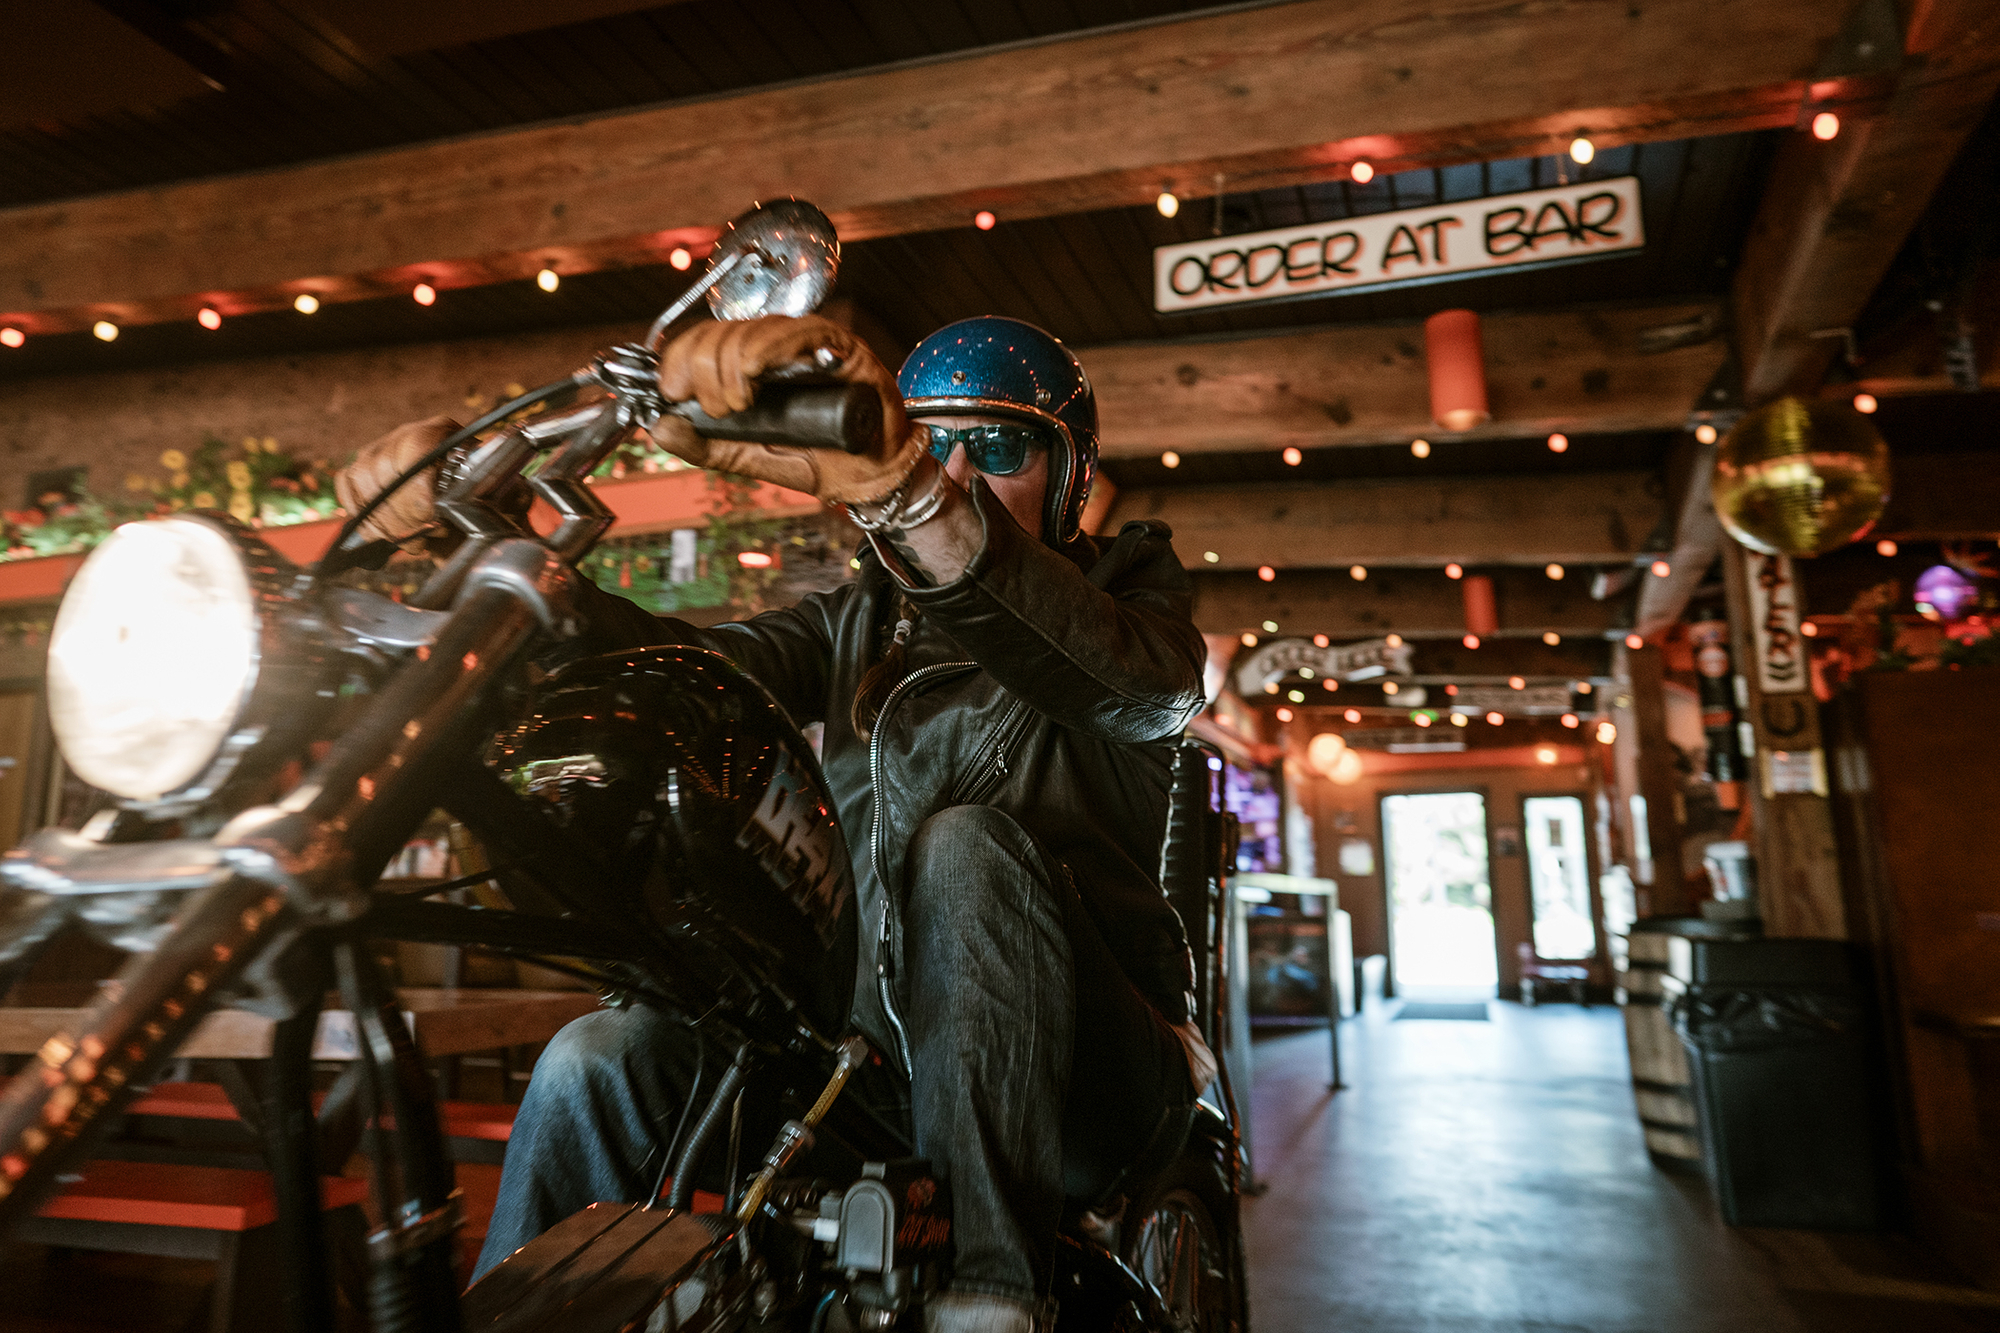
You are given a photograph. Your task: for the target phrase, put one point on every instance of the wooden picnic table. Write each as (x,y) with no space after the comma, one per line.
(444,1021)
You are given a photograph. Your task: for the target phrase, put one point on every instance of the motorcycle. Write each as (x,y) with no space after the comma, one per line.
(650,821)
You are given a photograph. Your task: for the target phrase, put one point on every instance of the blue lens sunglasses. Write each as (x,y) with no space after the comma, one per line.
(997,451)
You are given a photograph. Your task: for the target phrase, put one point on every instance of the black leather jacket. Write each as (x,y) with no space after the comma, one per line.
(1044,683)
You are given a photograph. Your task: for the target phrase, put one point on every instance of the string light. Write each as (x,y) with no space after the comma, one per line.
(424,294)
(1249,641)
(308,304)
(1809,629)
(1470,640)
(1865,403)
(1705,433)
(680,258)
(105,330)
(754,559)
(12,337)
(1606,733)
(1554,571)
(1454,571)
(1459,719)
(1571,720)
(1583,687)
(1167,204)
(1517,682)
(1306,673)
(548,280)
(1634,642)
(1270,627)
(1170,459)
(1391,688)
(1883,547)
(1284,715)
(984,219)
(1271,688)
(1357,572)
(1581,150)
(1545,754)
(1330,683)
(1394,641)
(1421,448)
(1352,715)
(1551,638)
(1494,719)
(1266,573)
(1296,696)
(1558,443)
(1661,569)
(209,318)
(1361,172)
(1211,557)
(1421,719)
(1293,457)
(1825,126)
(1321,641)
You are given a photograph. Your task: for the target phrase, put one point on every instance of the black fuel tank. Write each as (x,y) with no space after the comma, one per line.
(711,805)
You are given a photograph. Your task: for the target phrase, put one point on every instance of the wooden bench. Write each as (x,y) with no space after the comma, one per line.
(478,1131)
(220,1214)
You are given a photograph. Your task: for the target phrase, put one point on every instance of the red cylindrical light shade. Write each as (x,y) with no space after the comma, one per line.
(1457,369)
(1481,616)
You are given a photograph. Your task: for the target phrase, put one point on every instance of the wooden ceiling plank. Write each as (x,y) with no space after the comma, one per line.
(1546,371)
(917,148)
(1835,213)
(1415,603)
(1578,520)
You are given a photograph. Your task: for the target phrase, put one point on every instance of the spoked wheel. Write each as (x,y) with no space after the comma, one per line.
(1173,1243)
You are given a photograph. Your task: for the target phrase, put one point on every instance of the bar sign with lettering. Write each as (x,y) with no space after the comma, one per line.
(1582,221)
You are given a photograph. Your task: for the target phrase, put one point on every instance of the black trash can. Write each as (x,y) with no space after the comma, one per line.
(1778,1038)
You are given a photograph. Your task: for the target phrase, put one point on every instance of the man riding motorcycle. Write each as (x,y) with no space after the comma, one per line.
(996,687)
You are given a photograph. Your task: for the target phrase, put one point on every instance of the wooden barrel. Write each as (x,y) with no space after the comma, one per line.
(1660,1080)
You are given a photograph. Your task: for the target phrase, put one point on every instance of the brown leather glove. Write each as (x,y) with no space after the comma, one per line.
(381,462)
(717,365)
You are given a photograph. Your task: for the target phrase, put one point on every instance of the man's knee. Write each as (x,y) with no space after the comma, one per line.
(590,1049)
(963,835)
(976,875)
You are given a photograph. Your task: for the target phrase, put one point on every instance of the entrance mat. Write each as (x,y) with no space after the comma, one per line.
(1462,1013)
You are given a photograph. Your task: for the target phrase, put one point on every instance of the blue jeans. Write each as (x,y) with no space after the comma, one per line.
(1039,1073)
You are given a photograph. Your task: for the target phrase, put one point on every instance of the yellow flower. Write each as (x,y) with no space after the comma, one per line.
(173,460)
(179,481)
(134,482)
(241,507)
(203,500)
(239,475)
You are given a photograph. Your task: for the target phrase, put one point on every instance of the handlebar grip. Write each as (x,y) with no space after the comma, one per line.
(811,416)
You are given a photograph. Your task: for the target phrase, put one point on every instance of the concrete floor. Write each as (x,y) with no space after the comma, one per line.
(1489,1177)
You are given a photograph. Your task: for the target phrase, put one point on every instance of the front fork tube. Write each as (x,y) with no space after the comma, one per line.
(291,1146)
(412,1286)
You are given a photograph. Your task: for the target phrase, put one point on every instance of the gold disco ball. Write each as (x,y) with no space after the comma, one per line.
(1800,477)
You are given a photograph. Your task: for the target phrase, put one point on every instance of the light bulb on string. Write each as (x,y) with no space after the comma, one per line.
(1825,126)
(1167,203)
(1270,627)
(1886,546)
(1421,448)
(1293,457)
(1361,173)
(1661,569)
(1865,403)
(1211,557)
(548,280)
(1551,638)
(1705,433)
(1454,571)
(1266,573)
(104,331)
(1357,572)
(1634,642)
(424,294)
(1470,640)
(12,337)
(1170,459)
(680,258)
(209,318)
(1352,715)
(1582,150)
(1553,571)
(984,219)
(1558,443)
(306,303)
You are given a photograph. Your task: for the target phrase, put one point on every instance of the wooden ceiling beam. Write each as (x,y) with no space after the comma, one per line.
(1577,520)
(1835,213)
(1265,95)
(1609,370)
(1418,604)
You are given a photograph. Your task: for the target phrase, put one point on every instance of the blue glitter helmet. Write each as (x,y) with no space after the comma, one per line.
(991,366)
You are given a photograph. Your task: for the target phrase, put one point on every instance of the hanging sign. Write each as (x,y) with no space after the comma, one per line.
(1534,699)
(1414,245)
(1345,661)
(1774,624)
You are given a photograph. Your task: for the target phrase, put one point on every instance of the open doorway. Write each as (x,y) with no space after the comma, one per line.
(1440,893)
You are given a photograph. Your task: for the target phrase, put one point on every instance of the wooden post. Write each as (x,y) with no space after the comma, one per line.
(1642,676)
(1798,870)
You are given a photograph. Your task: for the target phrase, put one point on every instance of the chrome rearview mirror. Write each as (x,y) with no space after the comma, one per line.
(777,259)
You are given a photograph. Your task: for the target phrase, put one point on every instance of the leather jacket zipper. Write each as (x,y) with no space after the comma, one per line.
(885,950)
(992,767)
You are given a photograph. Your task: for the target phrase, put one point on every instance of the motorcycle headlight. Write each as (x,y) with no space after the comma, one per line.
(157,654)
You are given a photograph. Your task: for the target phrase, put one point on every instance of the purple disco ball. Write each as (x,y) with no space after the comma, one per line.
(1942,593)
